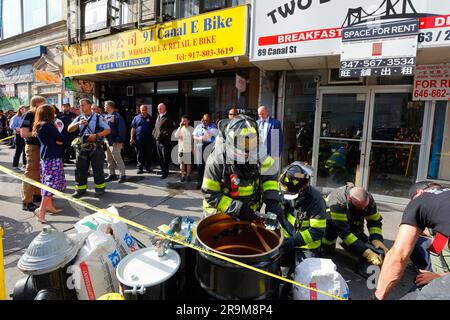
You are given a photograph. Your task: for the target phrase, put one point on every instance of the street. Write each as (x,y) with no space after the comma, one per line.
(150,201)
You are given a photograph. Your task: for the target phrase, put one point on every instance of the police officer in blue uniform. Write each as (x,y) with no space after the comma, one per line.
(93,128)
(141,137)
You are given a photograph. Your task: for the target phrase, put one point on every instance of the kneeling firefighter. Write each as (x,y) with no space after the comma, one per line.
(237,181)
(304,219)
(349,206)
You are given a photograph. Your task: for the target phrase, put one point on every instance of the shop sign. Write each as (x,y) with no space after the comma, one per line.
(284,29)
(435,31)
(16,74)
(82,86)
(379,49)
(432,82)
(47,77)
(213,35)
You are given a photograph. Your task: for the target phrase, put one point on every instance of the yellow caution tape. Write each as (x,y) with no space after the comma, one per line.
(158,233)
(7,138)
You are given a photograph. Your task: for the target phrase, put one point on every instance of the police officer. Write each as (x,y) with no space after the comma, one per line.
(66,116)
(93,128)
(349,206)
(304,220)
(429,208)
(236,181)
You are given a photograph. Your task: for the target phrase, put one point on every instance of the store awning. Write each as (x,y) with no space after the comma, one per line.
(181,68)
(24,55)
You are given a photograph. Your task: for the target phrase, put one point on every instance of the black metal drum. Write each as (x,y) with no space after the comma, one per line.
(243,241)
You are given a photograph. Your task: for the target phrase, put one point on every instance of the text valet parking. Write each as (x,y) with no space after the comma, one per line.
(208,36)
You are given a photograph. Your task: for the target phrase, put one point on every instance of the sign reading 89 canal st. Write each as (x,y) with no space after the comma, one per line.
(287,29)
(212,35)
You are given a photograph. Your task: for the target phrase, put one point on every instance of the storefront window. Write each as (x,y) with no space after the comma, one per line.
(11,18)
(298,128)
(395,148)
(400,123)
(34,12)
(439,167)
(167,87)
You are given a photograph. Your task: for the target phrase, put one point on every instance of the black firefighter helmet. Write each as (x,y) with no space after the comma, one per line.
(294,179)
(241,139)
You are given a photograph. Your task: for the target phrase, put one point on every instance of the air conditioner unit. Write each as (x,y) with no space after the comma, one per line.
(333,78)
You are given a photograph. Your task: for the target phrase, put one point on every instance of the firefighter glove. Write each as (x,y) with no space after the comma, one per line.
(288,245)
(274,207)
(246,213)
(372,257)
(380,245)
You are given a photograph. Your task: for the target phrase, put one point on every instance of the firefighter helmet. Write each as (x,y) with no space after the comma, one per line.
(294,179)
(241,139)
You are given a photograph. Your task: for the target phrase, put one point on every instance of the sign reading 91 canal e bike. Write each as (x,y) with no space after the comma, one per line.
(212,35)
(284,29)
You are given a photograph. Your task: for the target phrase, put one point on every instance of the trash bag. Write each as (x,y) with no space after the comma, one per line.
(438,289)
(94,269)
(320,274)
(118,229)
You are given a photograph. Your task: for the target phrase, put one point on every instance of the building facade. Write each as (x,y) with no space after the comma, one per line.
(32,38)
(187,54)
(385,127)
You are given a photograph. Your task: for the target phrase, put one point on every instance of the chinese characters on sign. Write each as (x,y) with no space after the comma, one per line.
(432,82)
(218,34)
(379,49)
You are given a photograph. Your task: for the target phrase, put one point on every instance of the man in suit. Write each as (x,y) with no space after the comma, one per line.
(162,132)
(270,134)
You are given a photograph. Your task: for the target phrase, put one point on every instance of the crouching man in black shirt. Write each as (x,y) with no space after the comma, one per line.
(429,208)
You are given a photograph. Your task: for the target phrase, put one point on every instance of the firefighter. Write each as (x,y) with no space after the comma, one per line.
(348,207)
(93,129)
(236,181)
(304,220)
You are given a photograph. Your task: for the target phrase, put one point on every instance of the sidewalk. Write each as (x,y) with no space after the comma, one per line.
(145,199)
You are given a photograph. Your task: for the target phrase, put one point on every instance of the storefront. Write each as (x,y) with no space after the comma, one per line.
(190,64)
(375,131)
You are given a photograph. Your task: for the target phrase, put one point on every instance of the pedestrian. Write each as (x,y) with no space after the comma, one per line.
(185,147)
(52,153)
(16,122)
(93,128)
(162,133)
(271,137)
(428,208)
(3,125)
(67,116)
(204,135)
(141,137)
(31,193)
(233,112)
(116,140)
(10,132)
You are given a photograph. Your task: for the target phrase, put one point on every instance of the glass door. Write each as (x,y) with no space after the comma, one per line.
(370,136)
(394,144)
(339,157)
